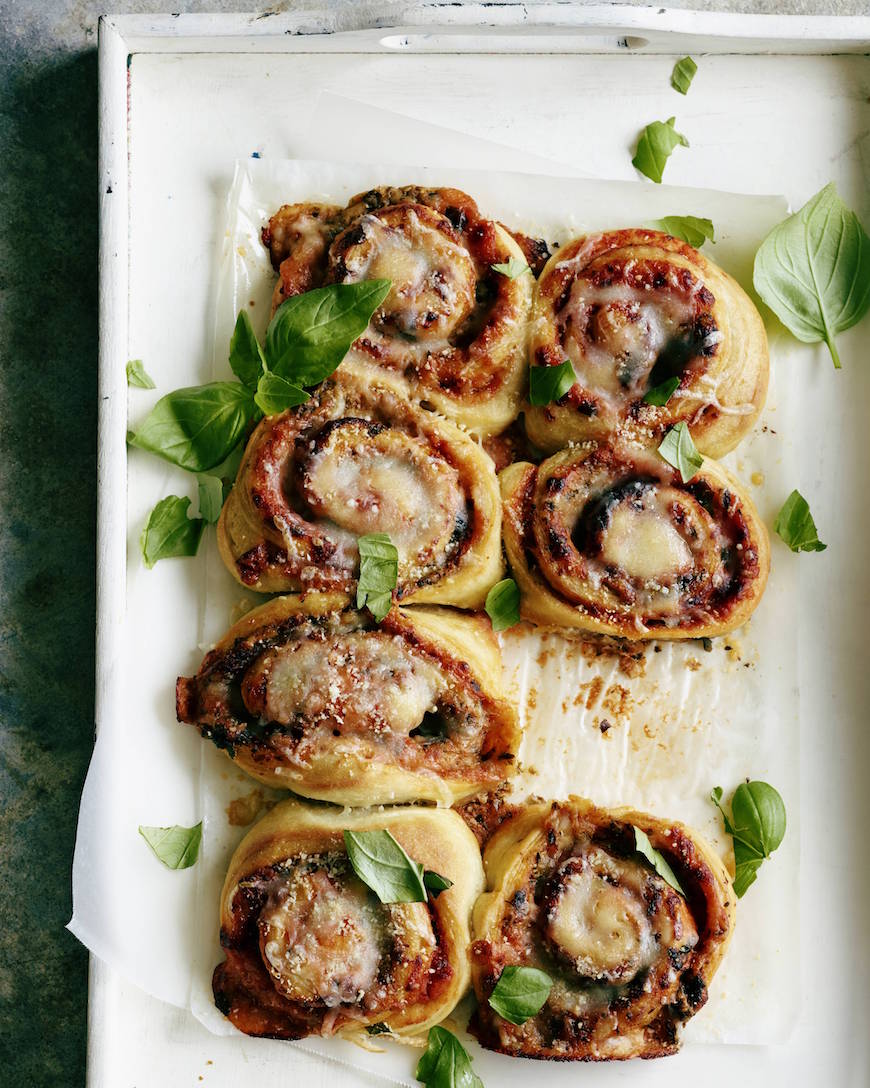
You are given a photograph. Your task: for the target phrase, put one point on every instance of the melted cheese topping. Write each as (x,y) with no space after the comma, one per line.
(641,539)
(320,939)
(433,277)
(362,682)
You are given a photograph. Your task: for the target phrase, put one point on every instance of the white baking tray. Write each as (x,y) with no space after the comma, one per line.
(780,105)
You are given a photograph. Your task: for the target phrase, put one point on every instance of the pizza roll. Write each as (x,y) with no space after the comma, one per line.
(311,950)
(310,695)
(452,331)
(611,540)
(629,956)
(356,459)
(632,309)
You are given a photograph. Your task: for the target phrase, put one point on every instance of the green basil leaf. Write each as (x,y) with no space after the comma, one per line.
(177,847)
(211,498)
(169,531)
(659,395)
(378,573)
(436,883)
(503,604)
(246,356)
(683,74)
(658,862)
(275,395)
(381,863)
(196,428)
(794,524)
(310,333)
(655,146)
(688,228)
(757,827)
(520,993)
(513,268)
(137,375)
(446,1063)
(813,270)
(679,450)
(548,383)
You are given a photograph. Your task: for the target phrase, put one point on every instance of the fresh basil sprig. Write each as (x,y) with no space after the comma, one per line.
(794,524)
(275,394)
(196,428)
(177,847)
(445,1063)
(679,450)
(657,860)
(137,375)
(378,573)
(659,395)
(513,268)
(169,531)
(311,333)
(520,993)
(548,384)
(211,497)
(756,826)
(655,147)
(688,228)
(503,604)
(382,865)
(247,360)
(813,270)
(683,74)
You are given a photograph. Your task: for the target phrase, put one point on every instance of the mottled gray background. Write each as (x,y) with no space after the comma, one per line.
(48,397)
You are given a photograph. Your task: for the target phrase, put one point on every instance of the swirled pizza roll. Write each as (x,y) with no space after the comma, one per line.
(452,330)
(308,694)
(629,955)
(357,459)
(633,310)
(311,950)
(612,540)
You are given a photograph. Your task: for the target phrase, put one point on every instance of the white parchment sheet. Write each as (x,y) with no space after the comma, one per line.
(656,728)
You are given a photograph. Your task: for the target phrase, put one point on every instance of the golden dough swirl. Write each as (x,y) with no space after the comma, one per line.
(355,459)
(631,309)
(452,331)
(308,694)
(629,956)
(310,950)
(611,540)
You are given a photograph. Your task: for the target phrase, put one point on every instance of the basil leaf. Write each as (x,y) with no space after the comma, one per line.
(310,333)
(137,375)
(169,531)
(177,847)
(548,383)
(813,270)
(211,498)
(503,604)
(436,883)
(520,993)
(378,1029)
(794,524)
(757,827)
(513,268)
(246,356)
(658,862)
(655,146)
(378,573)
(659,395)
(381,863)
(679,450)
(446,1063)
(683,74)
(275,395)
(196,428)
(688,228)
